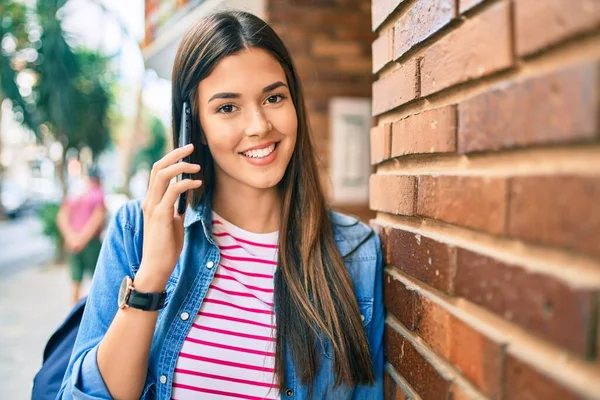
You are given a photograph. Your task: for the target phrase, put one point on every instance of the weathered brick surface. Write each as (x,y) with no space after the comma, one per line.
(432,324)
(475,355)
(425,259)
(523,382)
(474,202)
(539,24)
(381,231)
(417,371)
(506,80)
(466,5)
(459,393)
(421,20)
(381,137)
(558,211)
(539,303)
(479,358)
(381,9)
(479,47)
(432,131)
(557,107)
(399,300)
(383,49)
(392,193)
(396,89)
(391,391)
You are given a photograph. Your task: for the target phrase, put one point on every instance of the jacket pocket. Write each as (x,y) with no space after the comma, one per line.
(365,306)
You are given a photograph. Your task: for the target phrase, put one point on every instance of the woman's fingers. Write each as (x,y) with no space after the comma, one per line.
(176,189)
(169,159)
(163,178)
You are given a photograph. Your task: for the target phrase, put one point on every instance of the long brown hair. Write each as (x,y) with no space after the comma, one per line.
(314,297)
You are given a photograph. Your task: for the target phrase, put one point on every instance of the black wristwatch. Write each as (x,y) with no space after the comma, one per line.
(129,297)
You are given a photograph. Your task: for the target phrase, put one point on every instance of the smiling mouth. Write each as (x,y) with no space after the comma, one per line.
(260,153)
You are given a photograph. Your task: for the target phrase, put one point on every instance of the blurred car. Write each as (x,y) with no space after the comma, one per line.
(14,200)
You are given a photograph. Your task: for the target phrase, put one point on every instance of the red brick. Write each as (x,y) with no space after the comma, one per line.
(474,202)
(477,357)
(460,393)
(392,193)
(523,382)
(381,137)
(465,5)
(421,20)
(413,367)
(398,300)
(381,9)
(383,49)
(335,48)
(381,231)
(540,24)
(432,324)
(429,261)
(391,391)
(538,303)
(555,108)
(479,47)
(396,89)
(559,211)
(432,131)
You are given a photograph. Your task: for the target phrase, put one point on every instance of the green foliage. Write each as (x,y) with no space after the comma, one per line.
(73,86)
(47,214)
(92,110)
(155,149)
(72,94)
(13,15)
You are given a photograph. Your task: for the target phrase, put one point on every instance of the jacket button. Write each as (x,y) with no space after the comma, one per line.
(163,379)
(362,318)
(210,264)
(289,393)
(184,316)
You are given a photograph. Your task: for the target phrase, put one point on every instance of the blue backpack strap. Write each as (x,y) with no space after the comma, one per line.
(57,353)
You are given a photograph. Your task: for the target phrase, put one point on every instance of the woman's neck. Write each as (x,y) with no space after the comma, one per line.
(254,210)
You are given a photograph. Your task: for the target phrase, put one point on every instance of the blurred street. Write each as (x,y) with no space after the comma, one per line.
(34,300)
(22,246)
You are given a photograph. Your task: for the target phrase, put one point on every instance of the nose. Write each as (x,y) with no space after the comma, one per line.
(258,125)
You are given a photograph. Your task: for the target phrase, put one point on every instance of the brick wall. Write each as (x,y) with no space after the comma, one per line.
(487,192)
(330,41)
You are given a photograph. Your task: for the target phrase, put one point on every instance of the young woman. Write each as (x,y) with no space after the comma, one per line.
(258,291)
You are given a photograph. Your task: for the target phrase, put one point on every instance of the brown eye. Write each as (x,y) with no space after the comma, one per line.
(226,109)
(276,98)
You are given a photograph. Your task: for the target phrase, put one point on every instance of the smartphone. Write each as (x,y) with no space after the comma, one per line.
(184,139)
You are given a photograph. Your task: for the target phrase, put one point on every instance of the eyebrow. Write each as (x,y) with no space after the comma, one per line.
(229,95)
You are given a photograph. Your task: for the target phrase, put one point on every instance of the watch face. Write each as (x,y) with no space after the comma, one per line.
(124,291)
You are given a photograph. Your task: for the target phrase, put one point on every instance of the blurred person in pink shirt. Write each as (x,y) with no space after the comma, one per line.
(80,221)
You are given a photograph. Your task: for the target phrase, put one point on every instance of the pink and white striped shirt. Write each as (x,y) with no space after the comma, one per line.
(230,350)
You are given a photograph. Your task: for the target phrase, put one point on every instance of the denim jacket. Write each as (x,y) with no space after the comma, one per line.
(187,286)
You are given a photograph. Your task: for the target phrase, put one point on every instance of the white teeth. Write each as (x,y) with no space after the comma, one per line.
(260,153)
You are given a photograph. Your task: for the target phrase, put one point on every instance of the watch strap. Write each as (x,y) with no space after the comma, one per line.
(147,301)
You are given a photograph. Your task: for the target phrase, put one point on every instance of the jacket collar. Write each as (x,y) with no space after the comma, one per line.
(203,213)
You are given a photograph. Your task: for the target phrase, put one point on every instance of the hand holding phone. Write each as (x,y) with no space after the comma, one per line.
(184,139)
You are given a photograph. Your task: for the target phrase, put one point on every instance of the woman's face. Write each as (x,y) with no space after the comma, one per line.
(249,119)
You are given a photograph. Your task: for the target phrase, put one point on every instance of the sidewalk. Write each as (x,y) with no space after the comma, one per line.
(32,305)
